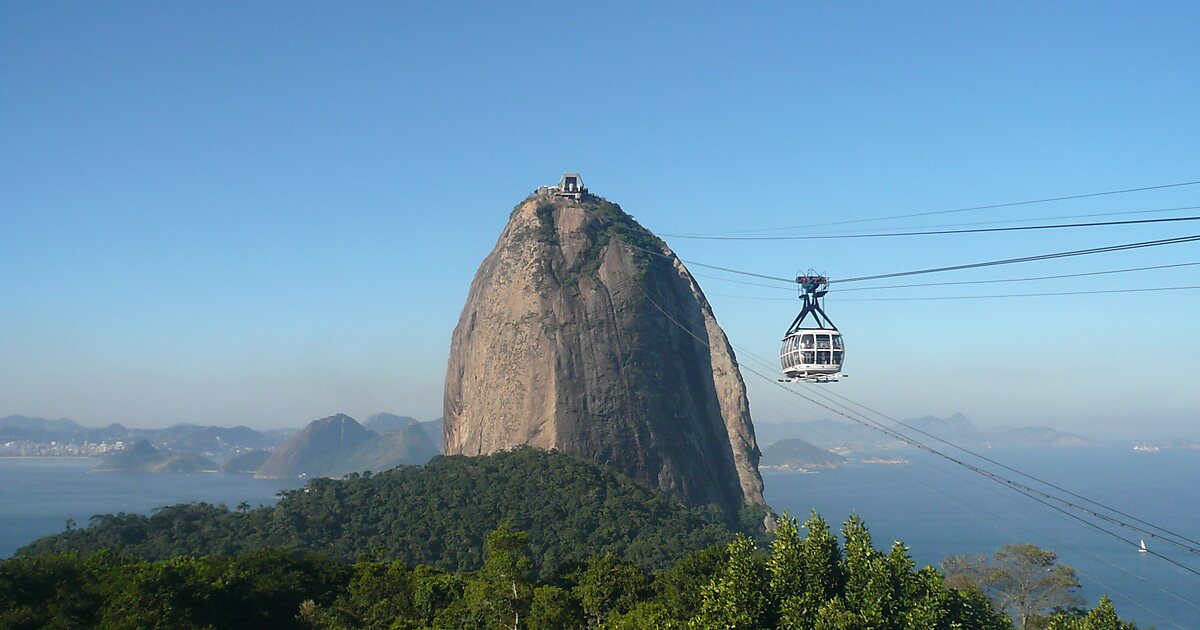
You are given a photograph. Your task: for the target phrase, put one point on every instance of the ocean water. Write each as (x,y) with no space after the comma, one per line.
(934,507)
(38,495)
(938,509)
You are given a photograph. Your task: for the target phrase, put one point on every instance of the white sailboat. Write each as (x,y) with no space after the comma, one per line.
(1143,549)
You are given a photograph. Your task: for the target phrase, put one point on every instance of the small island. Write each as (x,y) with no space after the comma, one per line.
(797,455)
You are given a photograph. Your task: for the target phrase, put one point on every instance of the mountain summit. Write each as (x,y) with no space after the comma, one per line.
(573,338)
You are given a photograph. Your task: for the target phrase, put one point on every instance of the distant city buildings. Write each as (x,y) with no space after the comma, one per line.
(25,448)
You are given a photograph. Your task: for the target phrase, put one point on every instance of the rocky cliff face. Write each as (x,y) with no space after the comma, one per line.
(566,342)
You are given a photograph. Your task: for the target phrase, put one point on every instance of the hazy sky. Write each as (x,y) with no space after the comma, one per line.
(264,213)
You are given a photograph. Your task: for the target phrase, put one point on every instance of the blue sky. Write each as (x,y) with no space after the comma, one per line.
(264,214)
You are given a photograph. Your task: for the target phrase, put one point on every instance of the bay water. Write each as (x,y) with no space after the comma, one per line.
(934,507)
(39,495)
(938,509)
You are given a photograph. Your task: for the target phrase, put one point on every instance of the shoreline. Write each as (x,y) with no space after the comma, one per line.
(47,457)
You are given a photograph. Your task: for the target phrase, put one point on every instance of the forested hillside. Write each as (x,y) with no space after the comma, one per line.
(800,581)
(436,515)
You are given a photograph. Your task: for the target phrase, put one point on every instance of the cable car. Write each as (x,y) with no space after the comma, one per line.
(813,353)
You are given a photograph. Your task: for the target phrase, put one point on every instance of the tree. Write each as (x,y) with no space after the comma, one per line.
(1022,579)
(866,591)
(786,564)
(554,608)
(610,586)
(1102,617)
(499,595)
(679,588)
(737,596)
(378,596)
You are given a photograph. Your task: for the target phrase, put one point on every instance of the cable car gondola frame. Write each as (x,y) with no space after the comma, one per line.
(812,354)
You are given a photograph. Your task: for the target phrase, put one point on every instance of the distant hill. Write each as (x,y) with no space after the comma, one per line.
(1034,436)
(796,454)
(28,423)
(211,439)
(246,462)
(409,445)
(954,428)
(433,428)
(313,448)
(436,514)
(386,422)
(337,445)
(142,457)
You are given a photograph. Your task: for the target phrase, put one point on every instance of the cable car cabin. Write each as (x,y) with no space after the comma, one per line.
(812,354)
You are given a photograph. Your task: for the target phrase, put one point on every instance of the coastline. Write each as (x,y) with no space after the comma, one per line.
(47,457)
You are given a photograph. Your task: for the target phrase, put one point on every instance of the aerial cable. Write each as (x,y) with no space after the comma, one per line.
(958,282)
(1030,492)
(1033,493)
(924,298)
(1026,279)
(1024,259)
(1089,215)
(791,289)
(762,361)
(672,256)
(1011,228)
(1018,295)
(1011,469)
(998,521)
(973,208)
(826,394)
(865,421)
(995,520)
(990,263)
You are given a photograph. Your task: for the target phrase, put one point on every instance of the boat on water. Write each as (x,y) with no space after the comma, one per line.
(1143,548)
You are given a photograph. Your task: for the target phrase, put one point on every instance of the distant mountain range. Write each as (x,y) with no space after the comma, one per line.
(386,440)
(332,446)
(214,442)
(845,436)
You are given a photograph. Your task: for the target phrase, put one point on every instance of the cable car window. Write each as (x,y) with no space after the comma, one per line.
(822,342)
(808,342)
(822,357)
(837,342)
(837,357)
(809,357)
